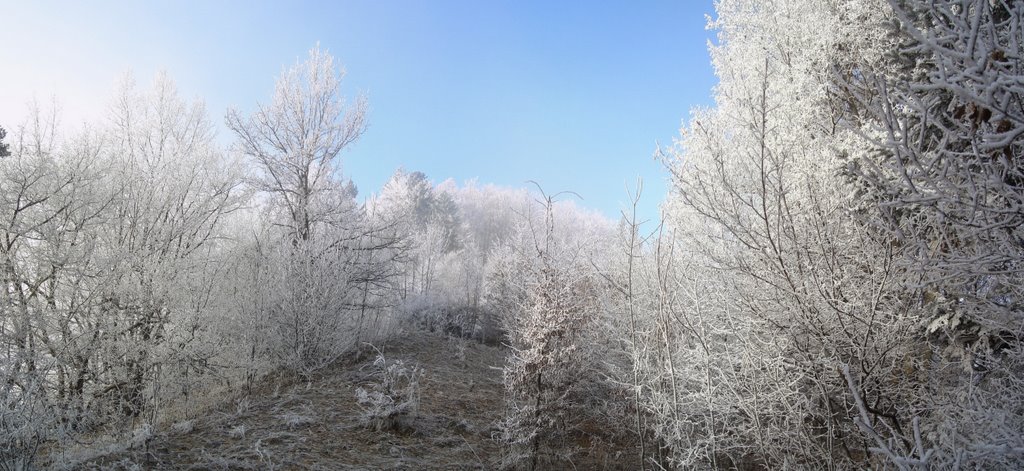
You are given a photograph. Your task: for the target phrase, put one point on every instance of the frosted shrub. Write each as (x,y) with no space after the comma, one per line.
(439,316)
(393,395)
(25,423)
(549,328)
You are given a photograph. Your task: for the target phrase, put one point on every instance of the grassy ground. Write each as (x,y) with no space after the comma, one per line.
(295,424)
(292,424)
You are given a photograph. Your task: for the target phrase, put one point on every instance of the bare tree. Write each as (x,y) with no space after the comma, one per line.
(331,258)
(296,141)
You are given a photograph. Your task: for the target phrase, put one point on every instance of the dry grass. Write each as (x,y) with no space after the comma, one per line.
(291,424)
(316,425)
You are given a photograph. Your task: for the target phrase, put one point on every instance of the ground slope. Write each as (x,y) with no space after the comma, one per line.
(296,424)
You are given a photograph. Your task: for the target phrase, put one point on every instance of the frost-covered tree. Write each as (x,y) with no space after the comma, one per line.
(431,221)
(136,264)
(941,177)
(296,141)
(550,329)
(5,148)
(45,365)
(173,188)
(328,251)
(331,262)
(844,216)
(781,286)
(490,214)
(110,244)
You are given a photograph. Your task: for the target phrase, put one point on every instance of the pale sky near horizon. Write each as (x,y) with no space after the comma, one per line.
(573,95)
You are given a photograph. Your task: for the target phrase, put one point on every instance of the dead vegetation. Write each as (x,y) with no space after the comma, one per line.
(289,423)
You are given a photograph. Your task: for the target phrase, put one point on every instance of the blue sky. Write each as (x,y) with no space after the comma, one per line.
(574,95)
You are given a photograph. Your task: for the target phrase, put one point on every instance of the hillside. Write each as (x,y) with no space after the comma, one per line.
(288,423)
(293,424)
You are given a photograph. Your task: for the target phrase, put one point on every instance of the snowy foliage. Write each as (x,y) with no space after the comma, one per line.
(941,170)
(836,284)
(111,249)
(139,261)
(394,393)
(323,251)
(549,325)
(844,289)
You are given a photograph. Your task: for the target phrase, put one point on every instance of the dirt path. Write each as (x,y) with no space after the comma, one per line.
(317,426)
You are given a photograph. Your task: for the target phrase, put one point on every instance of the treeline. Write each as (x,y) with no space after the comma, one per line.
(148,269)
(144,266)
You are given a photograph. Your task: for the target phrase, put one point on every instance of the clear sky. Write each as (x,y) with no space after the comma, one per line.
(572,94)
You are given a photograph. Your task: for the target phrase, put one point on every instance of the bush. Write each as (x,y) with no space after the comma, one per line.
(393,396)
